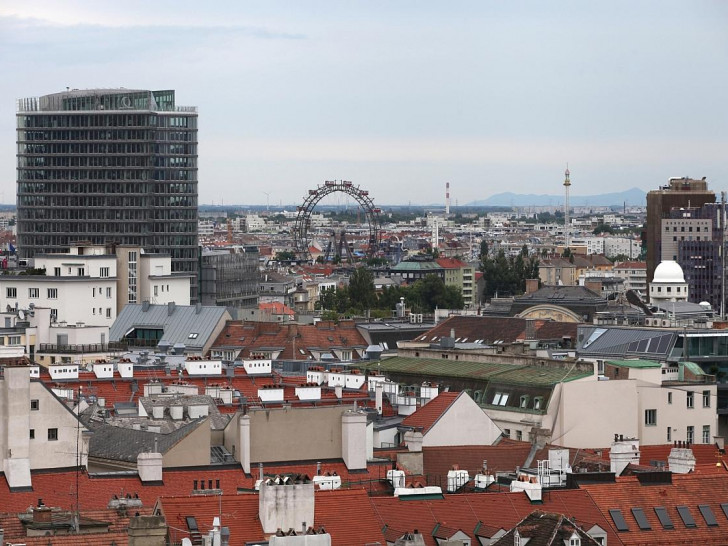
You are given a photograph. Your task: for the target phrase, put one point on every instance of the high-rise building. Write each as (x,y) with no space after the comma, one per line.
(108,166)
(679,193)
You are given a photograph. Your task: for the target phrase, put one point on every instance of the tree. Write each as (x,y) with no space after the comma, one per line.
(430,293)
(327,299)
(483,249)
(507,275)
(285,256)
(361,289)
(603,228)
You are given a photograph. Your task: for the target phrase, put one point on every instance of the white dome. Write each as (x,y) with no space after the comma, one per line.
(705,304)
(669,272)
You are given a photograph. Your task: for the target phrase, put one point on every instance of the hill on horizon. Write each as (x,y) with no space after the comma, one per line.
(634,196)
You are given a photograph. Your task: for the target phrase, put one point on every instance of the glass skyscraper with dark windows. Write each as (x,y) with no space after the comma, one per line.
(108,166)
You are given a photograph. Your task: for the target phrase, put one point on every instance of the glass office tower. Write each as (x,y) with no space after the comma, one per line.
(108,166)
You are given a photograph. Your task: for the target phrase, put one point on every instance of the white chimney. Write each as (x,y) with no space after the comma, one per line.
(413,440)
(149,467)
(681,460)
(623,452)
(244,443)
(354,439)
(378,401)
(286,507)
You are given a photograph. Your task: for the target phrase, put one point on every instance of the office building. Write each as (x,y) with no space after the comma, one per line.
(108,166)
(678,193)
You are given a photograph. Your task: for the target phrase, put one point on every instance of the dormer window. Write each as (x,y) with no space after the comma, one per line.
(537,402)
(575,539)
(524,401)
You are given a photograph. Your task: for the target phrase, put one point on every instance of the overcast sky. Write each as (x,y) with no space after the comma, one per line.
(399,97)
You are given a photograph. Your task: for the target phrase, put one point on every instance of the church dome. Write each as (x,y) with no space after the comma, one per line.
(669,272)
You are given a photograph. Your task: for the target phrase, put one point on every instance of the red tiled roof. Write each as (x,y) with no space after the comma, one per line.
(505,329)
(426,416)
(494,510)
(291,338)
(345,514)
(451,263)
(690,490)
(276,308)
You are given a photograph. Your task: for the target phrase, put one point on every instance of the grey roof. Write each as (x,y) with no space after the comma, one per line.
(618,342)
(178,324)
(125,444)
(218,421)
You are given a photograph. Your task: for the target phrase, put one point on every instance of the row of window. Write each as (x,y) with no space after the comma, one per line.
(52,434)
(100,313)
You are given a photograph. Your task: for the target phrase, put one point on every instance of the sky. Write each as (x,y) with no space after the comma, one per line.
(399,97)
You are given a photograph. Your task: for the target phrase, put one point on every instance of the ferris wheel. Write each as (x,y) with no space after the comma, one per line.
(338,244)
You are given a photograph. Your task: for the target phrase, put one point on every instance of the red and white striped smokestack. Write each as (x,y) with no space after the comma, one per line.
(447,197)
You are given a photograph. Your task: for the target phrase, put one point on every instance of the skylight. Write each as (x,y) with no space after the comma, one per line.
(686,516)
(664,517)
(641,519)
(708,515)
(618,520)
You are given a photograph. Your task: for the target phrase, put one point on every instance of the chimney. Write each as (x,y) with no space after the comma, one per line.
(147,531)
(354,440)
(594,286)
(378,398)
(681,460)
(285,506)
(531,285)
(339,390)
(149,467)
(42,514)
(623,452)
(530,329)
(244,441)
(170,308)
(413,440)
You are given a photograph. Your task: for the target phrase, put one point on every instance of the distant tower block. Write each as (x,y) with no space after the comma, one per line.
(567,184)
(447,198)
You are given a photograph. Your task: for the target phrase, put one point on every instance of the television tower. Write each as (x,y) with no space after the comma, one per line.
(567,184)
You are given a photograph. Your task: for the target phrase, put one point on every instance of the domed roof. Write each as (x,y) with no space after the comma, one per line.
(669,272)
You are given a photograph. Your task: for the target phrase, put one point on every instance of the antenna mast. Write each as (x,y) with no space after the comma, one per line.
(567,184)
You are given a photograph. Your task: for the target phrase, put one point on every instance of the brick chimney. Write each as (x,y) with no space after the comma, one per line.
(531,285)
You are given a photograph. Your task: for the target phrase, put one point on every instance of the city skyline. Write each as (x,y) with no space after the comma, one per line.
(398,97)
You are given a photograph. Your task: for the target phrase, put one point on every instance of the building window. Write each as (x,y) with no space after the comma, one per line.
(691,434)
(669,398)
(500,399)
(32,434)
(524,401)
(104,272)
(706,399)
(34,405)
(651,417)
(706,434)
(11,292)
(81,271)
(669,434)
(53,293)
(14,340)
(690,400)
(537,402)
(519,435)
(156,290)
(57,271)
(108,292)
(507,432)
(108,312)
(52,434)
(34,292)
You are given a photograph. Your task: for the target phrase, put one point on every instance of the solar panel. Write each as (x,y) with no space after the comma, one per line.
(664,343)
(654,342)
(708,515)
(642,345)
(686,516)
(618,520)
(641,519)
(664,517)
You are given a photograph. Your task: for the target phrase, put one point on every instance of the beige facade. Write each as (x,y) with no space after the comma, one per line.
(294,434)
(34,423)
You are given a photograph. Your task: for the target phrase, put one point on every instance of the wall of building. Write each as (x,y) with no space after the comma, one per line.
(670,403)
(464,423)
(287,434)
(192,450)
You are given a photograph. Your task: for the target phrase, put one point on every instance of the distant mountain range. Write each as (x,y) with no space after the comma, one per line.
(633,197)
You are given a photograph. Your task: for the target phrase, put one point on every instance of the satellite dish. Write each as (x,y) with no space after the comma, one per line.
(21,314)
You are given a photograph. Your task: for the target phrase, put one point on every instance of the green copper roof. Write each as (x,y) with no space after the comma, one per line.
(693,367)
(502,373)
(636,363)
(416,266)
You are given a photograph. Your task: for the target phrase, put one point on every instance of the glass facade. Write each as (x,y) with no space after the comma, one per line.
(108,166)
